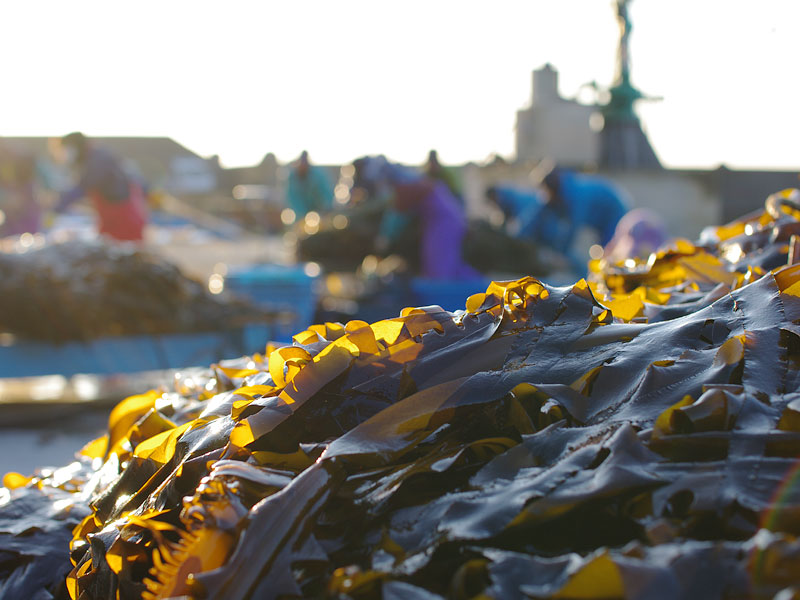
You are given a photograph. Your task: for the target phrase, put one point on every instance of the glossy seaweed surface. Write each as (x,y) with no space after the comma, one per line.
(632,436)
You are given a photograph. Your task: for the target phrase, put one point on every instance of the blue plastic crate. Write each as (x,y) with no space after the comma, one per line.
(130,354)
(449,294)
(287,290)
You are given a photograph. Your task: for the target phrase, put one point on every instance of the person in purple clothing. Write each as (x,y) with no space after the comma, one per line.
(443,227)
(639,233)
(19,210)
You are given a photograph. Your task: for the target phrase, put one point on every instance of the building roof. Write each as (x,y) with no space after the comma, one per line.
(152,155)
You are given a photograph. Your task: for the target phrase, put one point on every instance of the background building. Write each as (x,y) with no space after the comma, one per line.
(160,161)
(554,127)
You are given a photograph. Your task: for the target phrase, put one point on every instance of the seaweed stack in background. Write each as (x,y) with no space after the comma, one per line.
(485,247)
(84,291)
(635,436)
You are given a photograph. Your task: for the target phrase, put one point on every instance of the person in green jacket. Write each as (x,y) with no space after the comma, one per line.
(309,188)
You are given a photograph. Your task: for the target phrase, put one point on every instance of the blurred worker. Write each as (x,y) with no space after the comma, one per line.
(117,197)
(436,171)
(572,202)
(639,233)
(19,209)
(309,188)
(519,206)
(443,226)
(586,200)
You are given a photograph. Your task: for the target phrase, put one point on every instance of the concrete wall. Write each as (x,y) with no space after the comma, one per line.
(685,203)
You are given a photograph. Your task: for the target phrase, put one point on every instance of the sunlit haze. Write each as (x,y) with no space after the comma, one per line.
(343,79)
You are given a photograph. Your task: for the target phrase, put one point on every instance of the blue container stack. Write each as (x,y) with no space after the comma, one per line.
(287,290)
(449,294)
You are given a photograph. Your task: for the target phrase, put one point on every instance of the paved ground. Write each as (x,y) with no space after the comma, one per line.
(45,420)
(27,447)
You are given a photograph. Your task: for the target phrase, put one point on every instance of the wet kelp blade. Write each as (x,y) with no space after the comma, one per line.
(635,435)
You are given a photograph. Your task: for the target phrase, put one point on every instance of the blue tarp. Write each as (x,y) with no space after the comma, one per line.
(130,354)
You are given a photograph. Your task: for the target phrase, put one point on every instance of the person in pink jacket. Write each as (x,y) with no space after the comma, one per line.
(118,199)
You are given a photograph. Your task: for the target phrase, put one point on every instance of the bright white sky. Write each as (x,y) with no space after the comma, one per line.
(350,77)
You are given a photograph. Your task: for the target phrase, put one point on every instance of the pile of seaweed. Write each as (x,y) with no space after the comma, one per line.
(87,290)
(633,436)
(484,247)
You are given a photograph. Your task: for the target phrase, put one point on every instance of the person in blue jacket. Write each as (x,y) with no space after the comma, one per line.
(574,201)
(586,201)
(568,203)
(309,188)
(519,206)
